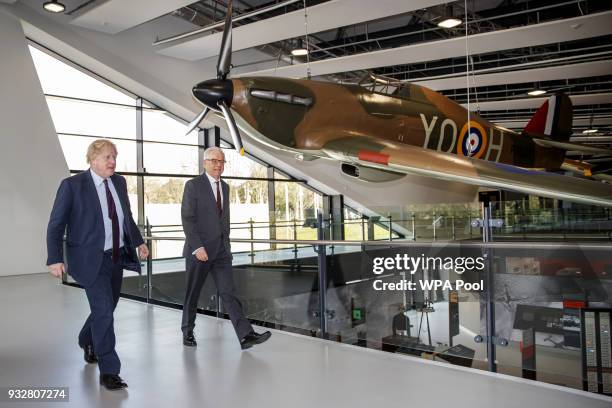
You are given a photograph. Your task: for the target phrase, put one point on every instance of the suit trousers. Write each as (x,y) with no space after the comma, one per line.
(221,270)
(98,330)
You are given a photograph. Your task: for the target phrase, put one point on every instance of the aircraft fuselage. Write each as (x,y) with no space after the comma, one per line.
(307,115)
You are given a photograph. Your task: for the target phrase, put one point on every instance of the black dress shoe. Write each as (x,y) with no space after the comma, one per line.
(88,354)
(112,382)
(253,338)
(189,339)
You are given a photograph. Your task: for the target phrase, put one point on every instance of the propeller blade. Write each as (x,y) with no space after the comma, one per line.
(197,120)
(231,125)
(225,53)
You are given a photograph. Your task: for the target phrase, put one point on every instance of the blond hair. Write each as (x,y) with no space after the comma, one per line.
(96,147)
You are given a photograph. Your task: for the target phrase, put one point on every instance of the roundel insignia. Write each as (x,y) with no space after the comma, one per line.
(474,142)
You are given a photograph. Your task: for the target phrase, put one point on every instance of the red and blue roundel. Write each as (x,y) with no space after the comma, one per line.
(474,142)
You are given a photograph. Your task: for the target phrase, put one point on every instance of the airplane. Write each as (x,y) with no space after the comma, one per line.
(378,136)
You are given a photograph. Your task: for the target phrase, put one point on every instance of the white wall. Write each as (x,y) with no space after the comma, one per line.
(31,159)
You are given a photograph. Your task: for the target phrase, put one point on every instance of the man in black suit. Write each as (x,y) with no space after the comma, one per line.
(205,212)
(93,209)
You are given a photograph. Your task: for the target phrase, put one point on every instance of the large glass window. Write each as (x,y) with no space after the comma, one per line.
(92,118)
(238,166)
(158,126)
(354,225)
(59,78)
(162,202)
(294,204)
(132,188)
(170,159)
(250,213)
(75,151)
(84,107)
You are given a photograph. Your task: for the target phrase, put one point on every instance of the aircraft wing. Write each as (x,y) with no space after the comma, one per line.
(572,146)
(409,159)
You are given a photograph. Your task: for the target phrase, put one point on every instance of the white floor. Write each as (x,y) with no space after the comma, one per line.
(40,319)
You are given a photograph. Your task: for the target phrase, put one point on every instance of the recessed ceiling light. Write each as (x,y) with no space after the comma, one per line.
(536,92)
(449,22)
(587,131)
(54,6)
(298,52)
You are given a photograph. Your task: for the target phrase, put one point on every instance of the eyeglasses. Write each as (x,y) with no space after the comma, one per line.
(215,161)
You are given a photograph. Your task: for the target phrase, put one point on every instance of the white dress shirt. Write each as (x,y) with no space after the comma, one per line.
(108,223)
(213,186)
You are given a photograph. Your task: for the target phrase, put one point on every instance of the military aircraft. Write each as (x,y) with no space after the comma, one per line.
(378,136)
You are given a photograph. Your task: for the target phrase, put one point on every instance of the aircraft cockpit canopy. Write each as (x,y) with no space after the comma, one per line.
(387,86)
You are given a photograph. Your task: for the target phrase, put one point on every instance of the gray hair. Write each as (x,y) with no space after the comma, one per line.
(208,151)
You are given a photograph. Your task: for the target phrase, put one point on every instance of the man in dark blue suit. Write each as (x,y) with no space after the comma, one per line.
(93,209)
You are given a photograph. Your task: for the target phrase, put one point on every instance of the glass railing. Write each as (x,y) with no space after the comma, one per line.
(577,223)
(480,300)
(523,220)
(527,312)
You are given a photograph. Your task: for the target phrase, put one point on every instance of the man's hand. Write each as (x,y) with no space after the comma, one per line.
(143,251)
(201,254)
(56,269)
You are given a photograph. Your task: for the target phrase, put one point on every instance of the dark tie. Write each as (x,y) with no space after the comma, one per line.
(112,214)
(219,208)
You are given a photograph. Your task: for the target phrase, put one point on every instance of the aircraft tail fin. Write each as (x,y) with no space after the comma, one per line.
(553,120)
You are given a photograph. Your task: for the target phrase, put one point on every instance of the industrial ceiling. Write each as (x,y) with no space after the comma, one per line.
(506,48)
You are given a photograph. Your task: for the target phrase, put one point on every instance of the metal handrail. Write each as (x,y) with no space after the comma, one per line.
(436,244)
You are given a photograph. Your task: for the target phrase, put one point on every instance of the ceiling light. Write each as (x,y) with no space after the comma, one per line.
(588,131)
(449,22)
(298,52)
(536,92)
(54,6)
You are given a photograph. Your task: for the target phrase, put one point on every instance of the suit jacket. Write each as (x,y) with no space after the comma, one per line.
(201,221)
(77,211)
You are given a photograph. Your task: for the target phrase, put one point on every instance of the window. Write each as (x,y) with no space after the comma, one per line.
(59,78)
(158,126)
(170,159)
(92,118)
(85,107)
(75,150)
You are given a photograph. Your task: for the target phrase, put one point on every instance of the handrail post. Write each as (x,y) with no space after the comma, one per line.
(490,291)
(470,220)
(149,234)
(295,248)
(435,221)
(252,254)
(322,264)
(363,236)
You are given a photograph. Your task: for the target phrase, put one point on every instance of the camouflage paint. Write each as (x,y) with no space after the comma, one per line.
(340,115)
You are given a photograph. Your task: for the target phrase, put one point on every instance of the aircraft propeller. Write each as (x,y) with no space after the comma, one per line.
(216,94)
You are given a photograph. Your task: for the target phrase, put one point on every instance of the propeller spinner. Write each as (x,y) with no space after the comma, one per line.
(216,94)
